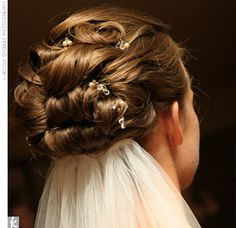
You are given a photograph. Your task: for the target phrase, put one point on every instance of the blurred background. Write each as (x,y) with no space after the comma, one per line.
(207,29)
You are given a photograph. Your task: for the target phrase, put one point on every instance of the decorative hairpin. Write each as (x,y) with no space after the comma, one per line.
(67,42)
(122,44)
(100,87)
(113,107)
(121,121)
(27,140)
(119,107)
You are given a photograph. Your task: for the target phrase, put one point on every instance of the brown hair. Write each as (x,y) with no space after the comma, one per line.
(63,114)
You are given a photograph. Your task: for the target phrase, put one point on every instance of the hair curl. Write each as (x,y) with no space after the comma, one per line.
(63,114)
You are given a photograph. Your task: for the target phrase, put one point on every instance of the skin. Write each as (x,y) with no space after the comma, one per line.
(174,143)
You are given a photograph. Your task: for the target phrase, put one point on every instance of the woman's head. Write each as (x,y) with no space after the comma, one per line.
(174,142)
(101,75)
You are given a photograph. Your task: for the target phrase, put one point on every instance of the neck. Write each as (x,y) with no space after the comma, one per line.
(157,146)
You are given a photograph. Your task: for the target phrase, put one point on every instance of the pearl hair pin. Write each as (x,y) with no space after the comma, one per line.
(67,42)
(121,121)
(100,87)
(119,107)
(27,140)
(122,44)
(113,107)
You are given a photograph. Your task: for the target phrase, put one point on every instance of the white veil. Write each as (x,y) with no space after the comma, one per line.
(123,188)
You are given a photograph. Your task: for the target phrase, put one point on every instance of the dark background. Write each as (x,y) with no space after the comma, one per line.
(207,29)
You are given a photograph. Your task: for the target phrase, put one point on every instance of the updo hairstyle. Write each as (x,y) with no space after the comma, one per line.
(80,90)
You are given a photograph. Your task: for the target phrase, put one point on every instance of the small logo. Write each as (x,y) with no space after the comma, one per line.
(13,222)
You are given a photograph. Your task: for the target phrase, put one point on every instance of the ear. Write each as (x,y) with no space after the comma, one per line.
(175,130)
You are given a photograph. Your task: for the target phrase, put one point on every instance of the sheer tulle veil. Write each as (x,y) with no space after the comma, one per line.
(122,188)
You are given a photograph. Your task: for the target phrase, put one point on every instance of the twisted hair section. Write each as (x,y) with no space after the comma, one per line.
(64,113)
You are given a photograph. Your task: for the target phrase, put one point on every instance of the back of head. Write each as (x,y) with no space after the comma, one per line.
(103,74)
(96,83)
